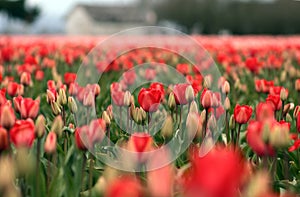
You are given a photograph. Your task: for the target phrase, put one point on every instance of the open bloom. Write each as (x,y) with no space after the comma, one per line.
(22,133)
(149,99)
(242,113)
(27,107)
(69,78)
(220,173)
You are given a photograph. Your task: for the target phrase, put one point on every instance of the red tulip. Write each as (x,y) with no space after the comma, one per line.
(129,77)
(253,64)
(3,140)
(220,173)
(22,133)
(158,86)
(298,122)
(7,116)
(117,94)
(25,79)
(275,101)
(50,143)
(263,85)
(125,186)
(242,113)
(183,68)
(69,78)
(206,98)
(81,134)
(3,99)
(255,139)
(29,108)
(97,129)
(14,89)
(179,93)
(264,111)
(149,99)
(140,143)
(297,85)
(39,75)
(295,146)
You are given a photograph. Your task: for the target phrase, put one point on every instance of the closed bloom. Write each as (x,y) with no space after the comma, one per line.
(149,99)
(7,116)
(14,89)
(206,98)
(50,143)
(22,133)
(139,143)
(69,78)
(3,139)
(25,79)
(275,101)
(264,110)
(242,113)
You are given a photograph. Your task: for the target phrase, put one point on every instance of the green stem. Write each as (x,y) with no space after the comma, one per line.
(238,135)
(37,191)
(91,168)
(82,171)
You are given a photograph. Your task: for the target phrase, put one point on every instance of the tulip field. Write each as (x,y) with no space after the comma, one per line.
(79,119)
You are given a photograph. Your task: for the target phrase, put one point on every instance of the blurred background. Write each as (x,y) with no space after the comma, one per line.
(102,17)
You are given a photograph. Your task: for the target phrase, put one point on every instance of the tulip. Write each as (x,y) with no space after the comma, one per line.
(14,89)
(81,135)
(72,105)
(158,86)
(217,174)
(189,94)
(22,133)
(242,113)
(171,101)
(89,99)
(254,136)
(4,144)
(40,124)
(29,108)
(127,99)
(150,74)
(129,77)
(139,143)
(25,79)
(62,97)
(124,187)
(50,143)
(206,98)
(226,87)
(57,125)
(167,129)
(69,78)
(149,99)
(179,91)
(39,75)
(97,129)
(7,116)
(275,101)
(264,111)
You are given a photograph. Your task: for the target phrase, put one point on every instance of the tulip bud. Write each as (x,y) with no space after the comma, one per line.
(203,116)
(144,115)
(288,118)
(72,105)
(3,139)
(50,96)
(194,107)
(292,105)
(100,186)
(227,104)
(192,124)
(283,76)
(57,125)
(215,102)
(7,116)
(25,79)
(89,99)
(207,82)
(286,109)
(226,87)
(127,99)
(40,126)
(55,108)
(212,123)
(206,100)
(50,143)
(258,185)
(167,129)
(231,122)
(283,94)
(189,94)
(137,115)
(171,101)
(62,98)
(296,111)
(106,118)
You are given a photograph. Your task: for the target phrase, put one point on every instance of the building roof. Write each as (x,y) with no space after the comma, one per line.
(114,13)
